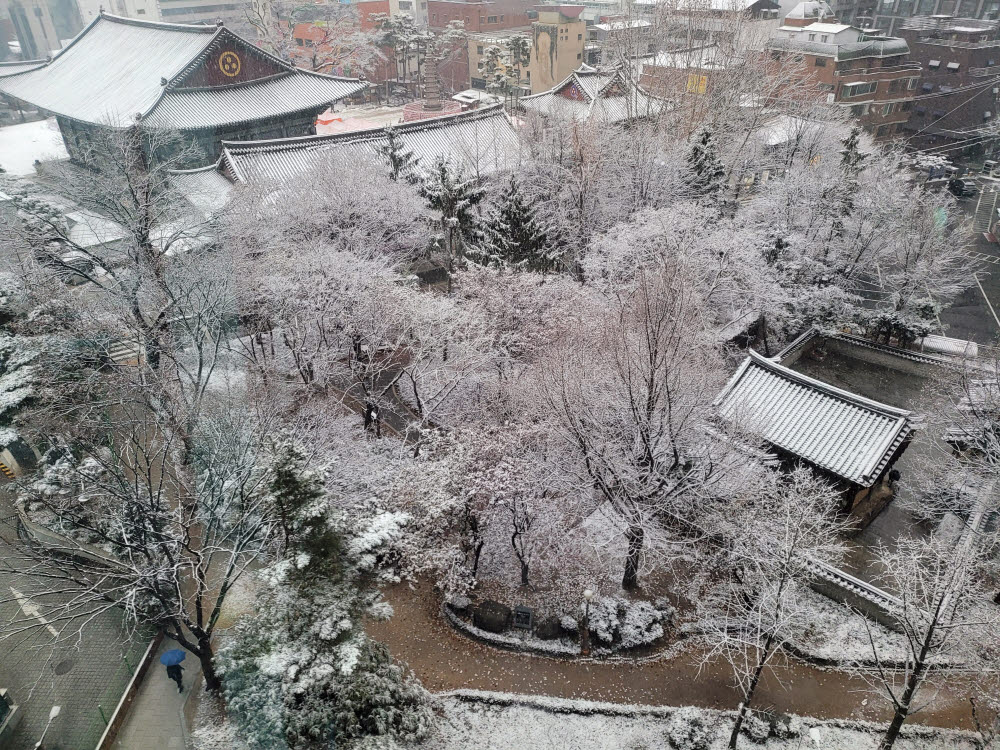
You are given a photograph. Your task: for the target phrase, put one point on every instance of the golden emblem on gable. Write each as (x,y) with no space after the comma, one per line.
(229,64)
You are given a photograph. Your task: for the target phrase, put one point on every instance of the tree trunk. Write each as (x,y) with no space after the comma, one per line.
(524,573)
(634,535)
(902,708)
(207,658)
(751,689)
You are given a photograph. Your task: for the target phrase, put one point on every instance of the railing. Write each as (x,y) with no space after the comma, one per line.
(905,68)
(961,44)
(992,70)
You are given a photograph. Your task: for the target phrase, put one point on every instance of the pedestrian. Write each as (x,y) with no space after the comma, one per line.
(174,673)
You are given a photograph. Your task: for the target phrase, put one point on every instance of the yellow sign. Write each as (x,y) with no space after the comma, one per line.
(229,64)
(696,84)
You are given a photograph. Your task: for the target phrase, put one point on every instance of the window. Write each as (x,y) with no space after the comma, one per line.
(579,55)
(491,19)
(579,37)
(850,90)
(820,62)
(887,110)
(906,106)
(812,37)
(913,84)
(859,110)
(479,49)
(299,42)
(882,130)
(824,38)
(894,85)
(501,18)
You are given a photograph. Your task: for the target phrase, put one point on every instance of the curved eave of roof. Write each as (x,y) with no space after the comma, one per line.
(20,66)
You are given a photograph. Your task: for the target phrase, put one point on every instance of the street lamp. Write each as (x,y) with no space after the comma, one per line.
(585,632)
(53,713)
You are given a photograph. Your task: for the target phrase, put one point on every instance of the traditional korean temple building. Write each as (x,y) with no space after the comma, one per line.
(851,440)
(589,94)
(481,142)
(202,81)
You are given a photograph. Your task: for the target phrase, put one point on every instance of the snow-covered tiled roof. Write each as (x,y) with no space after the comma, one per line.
(15,68)
(189,109)
(848,435)
(207,189)
(483,141)
(590,93)
(117,68)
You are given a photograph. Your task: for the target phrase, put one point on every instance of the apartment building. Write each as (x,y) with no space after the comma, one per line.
(960,84)
(873,76)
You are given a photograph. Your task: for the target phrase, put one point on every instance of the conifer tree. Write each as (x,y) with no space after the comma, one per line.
(705,170)
(447,191)
(402,162)
(513,235)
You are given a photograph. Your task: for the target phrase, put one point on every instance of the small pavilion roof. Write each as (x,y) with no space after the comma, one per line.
(848,435)
(588,93)
(118,68)
(483,141)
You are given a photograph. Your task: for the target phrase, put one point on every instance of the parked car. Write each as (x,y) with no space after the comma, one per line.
(962,188)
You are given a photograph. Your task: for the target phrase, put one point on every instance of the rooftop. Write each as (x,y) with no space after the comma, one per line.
(848,435)
(587,92)
(172,75)
(481,140)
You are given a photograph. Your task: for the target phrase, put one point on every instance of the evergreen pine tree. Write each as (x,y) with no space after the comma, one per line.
(297,494)
(705,170)
(447,191)
(402,162)
(513,236)
(852,164)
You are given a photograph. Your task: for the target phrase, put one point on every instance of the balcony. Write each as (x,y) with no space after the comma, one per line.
(906,70)
(960,44)
(992,70)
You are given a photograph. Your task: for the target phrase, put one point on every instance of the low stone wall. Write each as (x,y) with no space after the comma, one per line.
(870,600)
(529,645)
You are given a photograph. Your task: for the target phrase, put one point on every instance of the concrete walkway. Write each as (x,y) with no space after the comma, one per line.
(156,718)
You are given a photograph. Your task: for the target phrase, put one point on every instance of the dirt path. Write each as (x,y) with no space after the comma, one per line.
(444,660)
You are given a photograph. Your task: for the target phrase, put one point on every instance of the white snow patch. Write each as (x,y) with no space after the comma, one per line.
(21,145)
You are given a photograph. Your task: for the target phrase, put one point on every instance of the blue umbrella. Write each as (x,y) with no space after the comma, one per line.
(173,656)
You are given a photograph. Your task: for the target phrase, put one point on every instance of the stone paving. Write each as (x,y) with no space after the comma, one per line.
(156,721)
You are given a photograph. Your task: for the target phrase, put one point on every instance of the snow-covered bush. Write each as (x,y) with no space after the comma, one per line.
(625,624)
(690,729)
(756,728)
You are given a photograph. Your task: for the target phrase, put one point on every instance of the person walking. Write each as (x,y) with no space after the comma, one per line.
(174,672)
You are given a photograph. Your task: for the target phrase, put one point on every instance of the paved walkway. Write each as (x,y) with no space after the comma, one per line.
(444,660)
(156,721)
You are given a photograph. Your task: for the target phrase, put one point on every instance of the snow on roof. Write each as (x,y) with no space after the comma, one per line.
(619,25)
(703,58)
(206,188)
(591,93)
(827,28)
(117,68)
(22,66)
(21,145)
(811,9)
(841,432)
(482,140)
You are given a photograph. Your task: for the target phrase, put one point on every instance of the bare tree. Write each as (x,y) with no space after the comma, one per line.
(781,526)
(147,422)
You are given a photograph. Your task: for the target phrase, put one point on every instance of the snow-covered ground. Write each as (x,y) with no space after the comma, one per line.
(516,723)
(21,145)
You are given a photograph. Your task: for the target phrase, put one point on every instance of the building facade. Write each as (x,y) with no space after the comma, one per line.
(958,92)
(872,76)
(487,16)
(558,38)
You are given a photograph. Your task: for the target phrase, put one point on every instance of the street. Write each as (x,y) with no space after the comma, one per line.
(85,676)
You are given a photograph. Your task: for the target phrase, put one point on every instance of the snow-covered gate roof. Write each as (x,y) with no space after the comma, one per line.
(841,432)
